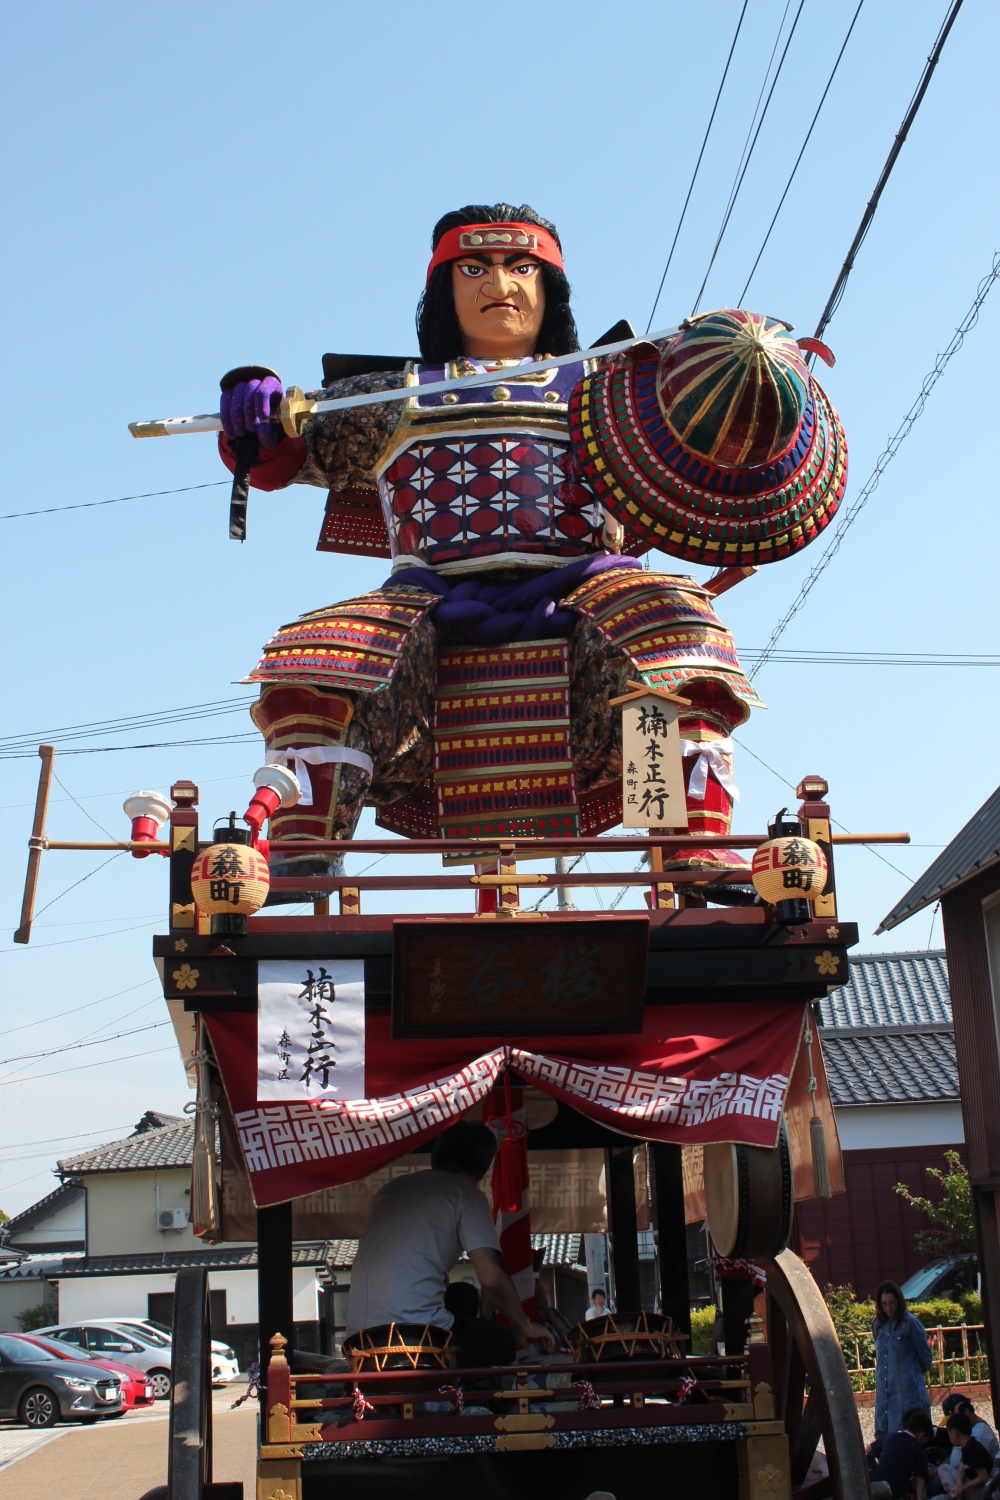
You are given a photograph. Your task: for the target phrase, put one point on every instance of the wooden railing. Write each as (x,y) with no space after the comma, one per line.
(959,1356)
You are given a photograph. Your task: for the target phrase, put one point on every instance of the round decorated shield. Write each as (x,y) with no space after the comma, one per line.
(708,504)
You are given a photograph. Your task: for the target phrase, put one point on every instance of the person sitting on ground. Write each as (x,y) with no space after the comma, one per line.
(901,1468)
(598,1305)
(968,1477)
(417,1228)
(981,1430)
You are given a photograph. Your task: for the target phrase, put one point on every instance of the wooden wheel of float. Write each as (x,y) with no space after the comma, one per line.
(812,1389)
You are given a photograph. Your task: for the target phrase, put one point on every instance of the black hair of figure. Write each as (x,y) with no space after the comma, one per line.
(894,1291)
(468,1147)
(437,323)
(960,1421)
(918,1422)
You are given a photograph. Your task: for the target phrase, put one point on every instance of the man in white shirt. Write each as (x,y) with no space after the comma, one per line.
(417,1228)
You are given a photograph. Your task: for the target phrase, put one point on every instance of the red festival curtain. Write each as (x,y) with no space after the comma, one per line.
(692,1075)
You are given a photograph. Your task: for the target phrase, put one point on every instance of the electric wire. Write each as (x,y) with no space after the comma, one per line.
(881,464)
(834,299)
(124,724)
(90,818)
(51,510)
(50,1140)
(697,166)
(82,881)
(742,170)
(5,1062)
(798,159)
(78,1067)
(75,1009)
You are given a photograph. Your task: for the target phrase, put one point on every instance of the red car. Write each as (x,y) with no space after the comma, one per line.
(136,1388)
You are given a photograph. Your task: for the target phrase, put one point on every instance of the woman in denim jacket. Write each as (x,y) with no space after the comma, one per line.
(902,1355)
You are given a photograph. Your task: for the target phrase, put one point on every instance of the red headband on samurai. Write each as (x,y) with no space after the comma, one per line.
(481,239)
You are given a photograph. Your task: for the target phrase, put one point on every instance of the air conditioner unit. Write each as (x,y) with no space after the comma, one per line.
(171,1218)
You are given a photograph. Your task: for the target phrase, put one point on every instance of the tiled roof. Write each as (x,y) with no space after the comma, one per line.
(64,1193)
(39,1265)
(231,1258)
(973,849)
(891,989)
(914,1067)
(887,1034)
(155,1146)
(560,1249)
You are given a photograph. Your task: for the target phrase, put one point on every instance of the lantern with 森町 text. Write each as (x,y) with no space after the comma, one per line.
(229,880)
(788,869)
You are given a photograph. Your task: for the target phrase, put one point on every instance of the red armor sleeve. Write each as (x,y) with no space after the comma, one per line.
(278,466)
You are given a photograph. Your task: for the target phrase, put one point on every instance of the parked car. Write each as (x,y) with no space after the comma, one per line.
(943,1278)
(225,1365)
(40,1389)
(108,1340)
(137,1388)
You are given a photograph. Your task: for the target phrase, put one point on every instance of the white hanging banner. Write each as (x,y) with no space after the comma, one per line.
(311,1029)
(652,772)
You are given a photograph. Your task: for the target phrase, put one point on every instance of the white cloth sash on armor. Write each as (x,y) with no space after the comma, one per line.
(712,756)
(299,759)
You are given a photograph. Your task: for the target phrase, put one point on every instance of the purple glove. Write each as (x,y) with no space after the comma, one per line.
(247,408)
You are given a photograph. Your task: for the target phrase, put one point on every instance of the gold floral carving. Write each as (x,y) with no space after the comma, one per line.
(833,933)
(181,945)
(187,978)
(770,1480)
(827,962)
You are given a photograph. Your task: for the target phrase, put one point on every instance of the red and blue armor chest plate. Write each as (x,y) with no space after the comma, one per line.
(486,478)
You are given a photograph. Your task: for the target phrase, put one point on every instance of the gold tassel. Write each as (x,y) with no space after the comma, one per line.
(204,1211)
(817,1131)
(821,1166)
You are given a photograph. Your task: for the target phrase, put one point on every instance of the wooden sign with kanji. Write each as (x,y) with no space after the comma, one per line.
(652,770)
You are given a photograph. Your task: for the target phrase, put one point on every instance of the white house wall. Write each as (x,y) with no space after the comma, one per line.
(65,1223)
(106,1297)
(897,1125)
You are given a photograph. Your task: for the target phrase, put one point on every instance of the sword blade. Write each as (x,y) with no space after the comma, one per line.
(177,426)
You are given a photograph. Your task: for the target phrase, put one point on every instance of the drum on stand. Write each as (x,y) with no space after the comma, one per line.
(399,1346)
(749,1198)
(617,1336)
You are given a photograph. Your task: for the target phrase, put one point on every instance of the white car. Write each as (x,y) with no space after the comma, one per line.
(144,1347)
(225,1365)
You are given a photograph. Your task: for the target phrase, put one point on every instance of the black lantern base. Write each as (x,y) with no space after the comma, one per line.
(785,911)
(233,925)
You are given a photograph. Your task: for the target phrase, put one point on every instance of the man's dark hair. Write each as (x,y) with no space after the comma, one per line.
(918,1422)
(598,1292)
(468,1147)
(437,322)
(893,1290)
(960,1421)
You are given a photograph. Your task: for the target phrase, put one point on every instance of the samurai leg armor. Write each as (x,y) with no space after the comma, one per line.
(312,730)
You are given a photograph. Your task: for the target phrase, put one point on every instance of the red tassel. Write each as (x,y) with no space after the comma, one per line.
(509,1184)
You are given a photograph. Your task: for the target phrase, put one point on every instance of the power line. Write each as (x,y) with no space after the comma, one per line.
(78,1067)
(76,1046)
(882,463)
(742,170)
(697,165)
(76,1135)
(96,728)
(90,938)
(833,302)
(52,510)
(211,739)
(27,1025)
(798,159)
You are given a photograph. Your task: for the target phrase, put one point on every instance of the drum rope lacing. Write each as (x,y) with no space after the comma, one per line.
(459,1395)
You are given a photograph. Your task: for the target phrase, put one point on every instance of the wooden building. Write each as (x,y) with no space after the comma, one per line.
(965,879)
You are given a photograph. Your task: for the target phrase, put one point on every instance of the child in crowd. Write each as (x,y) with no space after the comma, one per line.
(967,1477)
(900,1468)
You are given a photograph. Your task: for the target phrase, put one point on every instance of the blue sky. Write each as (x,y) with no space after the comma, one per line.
(192,187)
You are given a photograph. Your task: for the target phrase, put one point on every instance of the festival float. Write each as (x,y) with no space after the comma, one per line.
(519,687)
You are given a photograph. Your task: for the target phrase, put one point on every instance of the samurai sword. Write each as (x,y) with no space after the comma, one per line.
(297,408)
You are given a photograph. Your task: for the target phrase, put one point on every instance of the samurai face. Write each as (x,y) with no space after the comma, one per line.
(499,303)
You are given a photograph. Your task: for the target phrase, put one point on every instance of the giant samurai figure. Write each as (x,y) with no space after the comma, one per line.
(469,695)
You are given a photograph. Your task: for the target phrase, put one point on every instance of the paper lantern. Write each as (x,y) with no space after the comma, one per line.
(788,869)
(229,879)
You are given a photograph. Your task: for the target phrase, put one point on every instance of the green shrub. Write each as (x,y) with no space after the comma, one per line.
(36,1317)
(938,1312)
(702,1324)
(973,1305)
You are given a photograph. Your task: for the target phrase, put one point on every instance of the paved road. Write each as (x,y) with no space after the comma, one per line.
(120,1459)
